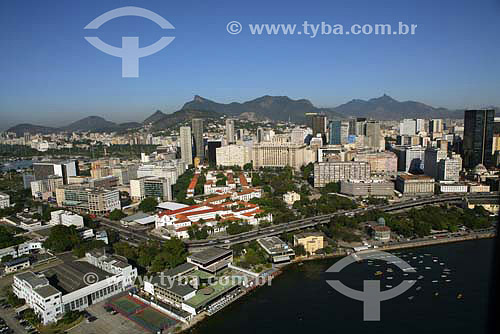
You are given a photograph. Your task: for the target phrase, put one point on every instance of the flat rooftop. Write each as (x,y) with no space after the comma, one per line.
(213,291)
(273,244)
(69,276)
(210,254)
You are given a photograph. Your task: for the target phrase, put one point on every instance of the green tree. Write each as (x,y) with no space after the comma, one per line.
(299,250)
(117,214)
(148,204)
(62,238)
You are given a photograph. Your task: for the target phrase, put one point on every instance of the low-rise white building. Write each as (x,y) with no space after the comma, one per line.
(291,197)
(79,284)
(66,218)
(451,187)
(4,200)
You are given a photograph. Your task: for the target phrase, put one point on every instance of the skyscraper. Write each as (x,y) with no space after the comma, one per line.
(212,151)
(478,137)
(186,145)
(360,126)
(408,127)
(230,130)
(373,135)
(318,123)
(436,125)
(197,125)
(339,131)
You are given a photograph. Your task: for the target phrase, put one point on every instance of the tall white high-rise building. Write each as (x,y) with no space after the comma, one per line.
(407,127)
(186,145)
(420,123)
(230,130)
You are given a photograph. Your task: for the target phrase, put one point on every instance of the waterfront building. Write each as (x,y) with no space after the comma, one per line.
(277,250)
(211,260)
(478,138)
(311,241)
(326,172)
(381,233)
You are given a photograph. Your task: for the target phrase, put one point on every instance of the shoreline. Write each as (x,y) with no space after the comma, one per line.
(298,260)
(415,244)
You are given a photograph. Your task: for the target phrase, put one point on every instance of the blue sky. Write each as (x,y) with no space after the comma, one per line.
(51,75)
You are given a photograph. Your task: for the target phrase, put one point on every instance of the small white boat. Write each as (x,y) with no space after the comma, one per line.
(410,298)
(419,288)
(420,277)
(428,268)
(448,281)
(390,277)
(435,281)
(442,264)
(388,286)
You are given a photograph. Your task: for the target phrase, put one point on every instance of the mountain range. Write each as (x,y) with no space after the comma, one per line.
(386,108)
(91,123)
(265,108)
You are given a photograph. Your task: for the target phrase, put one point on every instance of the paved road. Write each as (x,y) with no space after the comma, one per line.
(134,237)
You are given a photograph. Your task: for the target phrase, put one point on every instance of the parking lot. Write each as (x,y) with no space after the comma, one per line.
(9,324)
(107,323)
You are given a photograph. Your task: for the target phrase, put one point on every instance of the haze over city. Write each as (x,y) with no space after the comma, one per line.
(300,166)
(52,76)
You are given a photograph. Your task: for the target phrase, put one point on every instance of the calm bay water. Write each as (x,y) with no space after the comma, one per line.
(300,300)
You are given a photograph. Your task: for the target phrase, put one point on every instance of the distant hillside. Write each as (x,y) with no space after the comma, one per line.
(155,117)
(20,129)
(181,116)
(274,108)
(387,108)
(91,123)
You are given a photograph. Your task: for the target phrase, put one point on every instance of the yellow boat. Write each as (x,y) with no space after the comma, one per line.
(378,273)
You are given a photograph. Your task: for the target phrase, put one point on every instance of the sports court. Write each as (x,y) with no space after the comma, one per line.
(152,319)
(141,313)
